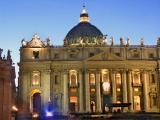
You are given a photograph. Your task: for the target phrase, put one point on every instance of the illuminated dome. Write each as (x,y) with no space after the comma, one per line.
(84,33)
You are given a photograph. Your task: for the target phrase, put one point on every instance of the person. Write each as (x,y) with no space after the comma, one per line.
(92,104)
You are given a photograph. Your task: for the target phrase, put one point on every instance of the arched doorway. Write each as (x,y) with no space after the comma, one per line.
(36,102)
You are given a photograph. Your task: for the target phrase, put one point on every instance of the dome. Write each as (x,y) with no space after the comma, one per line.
(84,32)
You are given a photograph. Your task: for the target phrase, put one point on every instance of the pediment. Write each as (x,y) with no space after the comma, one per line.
(35,42)
(104,56)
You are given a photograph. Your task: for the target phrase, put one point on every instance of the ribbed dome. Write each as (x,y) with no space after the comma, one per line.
(84,32)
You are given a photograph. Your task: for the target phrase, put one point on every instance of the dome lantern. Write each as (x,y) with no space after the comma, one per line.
(84,15)
(84,33)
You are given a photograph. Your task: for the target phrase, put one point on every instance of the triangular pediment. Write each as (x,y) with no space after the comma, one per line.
(104,56)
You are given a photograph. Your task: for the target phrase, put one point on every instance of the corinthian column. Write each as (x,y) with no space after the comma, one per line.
(145,91)
(114,97)
(81,108)
(65,92)
(87,91)
(98,92)
(124,88)
(130,91)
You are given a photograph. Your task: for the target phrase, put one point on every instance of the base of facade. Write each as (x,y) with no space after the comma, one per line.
(24,116)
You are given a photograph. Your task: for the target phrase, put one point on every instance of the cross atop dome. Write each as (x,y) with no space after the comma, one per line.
(84,15)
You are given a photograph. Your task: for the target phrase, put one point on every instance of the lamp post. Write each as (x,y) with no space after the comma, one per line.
(14,112)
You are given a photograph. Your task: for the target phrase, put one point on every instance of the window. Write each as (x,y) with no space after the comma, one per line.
(117,54)
(136,55)
(151,55)
(56,55)
(118,79)
(35,78)
(72,55)
(73,78)
(92,79)
(36,54)
(105,77)
(91,54)
(136,79)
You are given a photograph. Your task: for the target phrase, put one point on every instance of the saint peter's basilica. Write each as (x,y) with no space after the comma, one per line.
(88,73)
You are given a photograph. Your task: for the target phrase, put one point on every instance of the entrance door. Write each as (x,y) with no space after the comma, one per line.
(37,102)
(106,102)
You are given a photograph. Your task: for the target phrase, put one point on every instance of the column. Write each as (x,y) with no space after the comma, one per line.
(65,92)
(81,107)
(124,89)
(114,96)
(130,91)
(124,86)
(87,91)
(145,91)
(98,92)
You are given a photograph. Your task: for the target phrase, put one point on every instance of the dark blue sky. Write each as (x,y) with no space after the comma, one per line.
(54,18)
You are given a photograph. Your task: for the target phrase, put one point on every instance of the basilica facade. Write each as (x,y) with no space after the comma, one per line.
(88,74)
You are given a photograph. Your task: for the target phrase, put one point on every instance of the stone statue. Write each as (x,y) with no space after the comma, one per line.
(142,42)
(49,42)
(127,42)
(104,40)
(158,41)
(65,42)
(111,41)
(1,50)
(121,41)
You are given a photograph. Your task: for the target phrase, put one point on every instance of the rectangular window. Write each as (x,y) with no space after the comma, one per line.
(35,78)
(136,79)
(92,79)
(56,55)
(91,54)
(36,54)
(151,55)
(118,79)
(117,54)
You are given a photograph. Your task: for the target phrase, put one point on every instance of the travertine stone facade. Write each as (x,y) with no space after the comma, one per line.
(88,74)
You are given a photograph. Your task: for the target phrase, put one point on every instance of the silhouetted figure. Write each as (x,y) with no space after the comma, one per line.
(92,104)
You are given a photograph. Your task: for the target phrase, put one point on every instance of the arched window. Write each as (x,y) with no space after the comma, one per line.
(35,78)
(73,78)
(92,79)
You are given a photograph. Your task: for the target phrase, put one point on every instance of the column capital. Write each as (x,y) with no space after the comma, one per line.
(143,71)
(48,71)
(65,71)
(98,71)
(113,71)
(123,70)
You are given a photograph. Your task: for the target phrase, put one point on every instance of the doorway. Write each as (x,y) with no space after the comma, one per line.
(36,102)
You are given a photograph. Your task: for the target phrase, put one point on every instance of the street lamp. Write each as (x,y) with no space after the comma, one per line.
(35,116)
(14,111)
